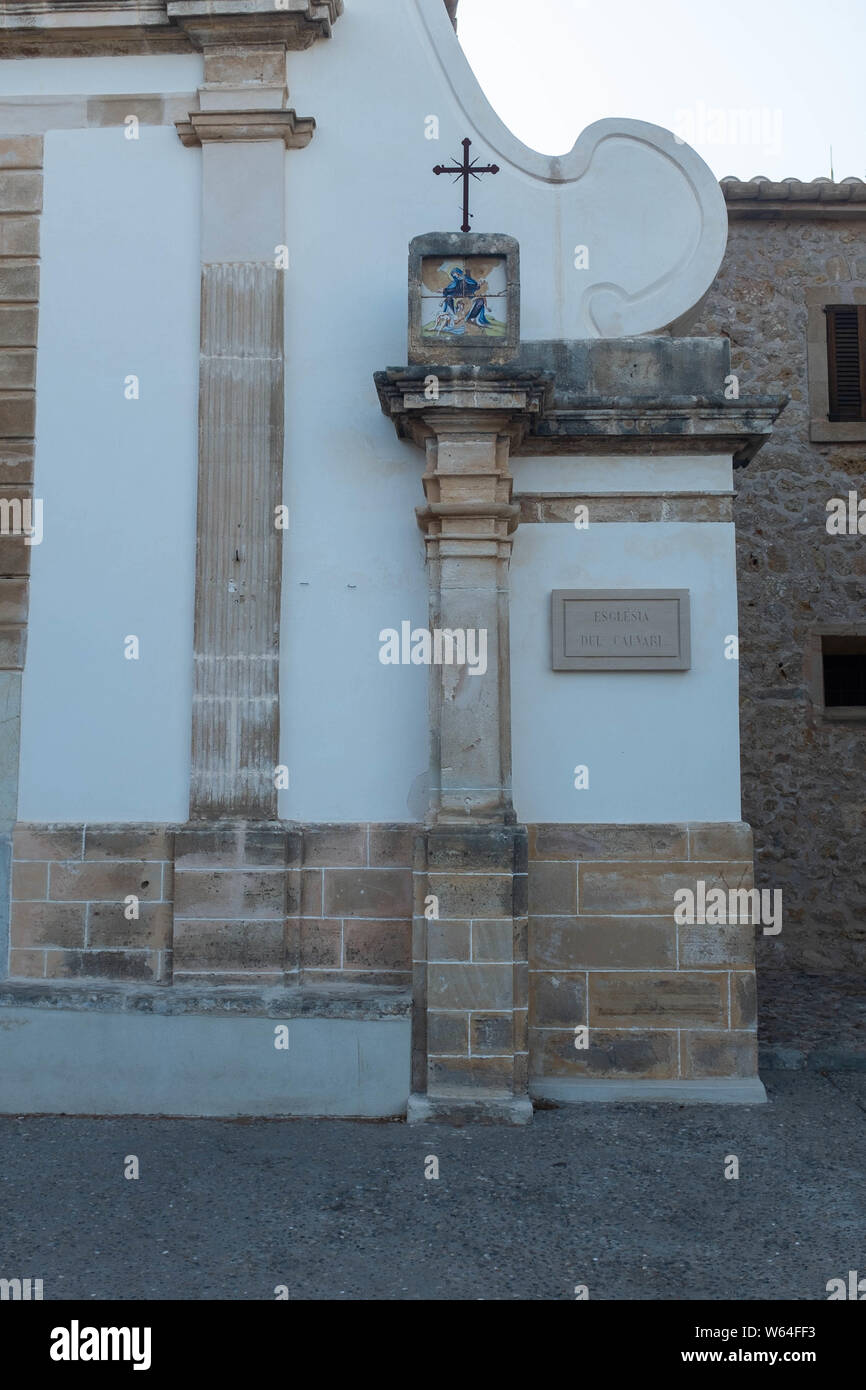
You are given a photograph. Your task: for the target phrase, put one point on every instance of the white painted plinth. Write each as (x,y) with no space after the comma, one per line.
(69,1062)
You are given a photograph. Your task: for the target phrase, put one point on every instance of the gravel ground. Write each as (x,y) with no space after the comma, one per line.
(630,1200)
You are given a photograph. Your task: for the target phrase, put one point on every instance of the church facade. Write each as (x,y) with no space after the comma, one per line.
(371,650)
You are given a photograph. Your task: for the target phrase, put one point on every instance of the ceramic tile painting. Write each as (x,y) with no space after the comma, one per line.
(464,298)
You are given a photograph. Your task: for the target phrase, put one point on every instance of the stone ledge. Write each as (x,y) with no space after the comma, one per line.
(721,1091)
(324,1001)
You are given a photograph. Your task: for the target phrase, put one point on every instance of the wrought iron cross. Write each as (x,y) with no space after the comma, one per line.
(468,169)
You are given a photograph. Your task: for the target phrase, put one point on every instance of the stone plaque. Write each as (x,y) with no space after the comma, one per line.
(621,630)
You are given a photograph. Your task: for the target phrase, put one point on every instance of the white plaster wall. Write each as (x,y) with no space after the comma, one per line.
(104,738)
(167,72)
(659,746)
(623,473)
(354,733)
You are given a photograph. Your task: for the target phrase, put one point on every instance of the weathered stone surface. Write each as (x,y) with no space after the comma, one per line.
(376,945)
(492,1034)
(241,894)
(497,941)
(557,1000)
(470,986)
(729,841)
(552,888)
(473,895)
(127,842)
(802,788)
(449,941)
(19,281)
(719,1054)
(608,842)
(30,882)
(239,946)
(706,946)
(13,647)
(17,411)
(100,882)
(14,600)
(335,846)
(48,842)
(391,846)
(235,732)
(21,152)
(18,325)
(25,962)
(368,893)
(47,924)
(108,111)
(744,1004)
(107,925)
(597,943)
(684,999)
(20,190)
(19,236)
(466,1075)
(651,888)
(613,1054)
(321,944)
(448,1033)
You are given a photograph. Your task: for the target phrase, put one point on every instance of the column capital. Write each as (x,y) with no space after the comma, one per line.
(425,401)
(295,131)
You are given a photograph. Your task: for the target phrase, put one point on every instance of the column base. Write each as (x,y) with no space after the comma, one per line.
(456,1110)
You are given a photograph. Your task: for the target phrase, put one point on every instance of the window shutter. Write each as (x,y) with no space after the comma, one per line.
(846,358)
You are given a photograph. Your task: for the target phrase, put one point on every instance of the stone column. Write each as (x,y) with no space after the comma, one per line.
(244,128)
(236,906)
(470,950)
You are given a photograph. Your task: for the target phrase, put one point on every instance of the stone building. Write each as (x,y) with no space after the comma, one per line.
(793,249)
(262,860)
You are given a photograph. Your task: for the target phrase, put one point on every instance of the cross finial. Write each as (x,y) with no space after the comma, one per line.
(468,169)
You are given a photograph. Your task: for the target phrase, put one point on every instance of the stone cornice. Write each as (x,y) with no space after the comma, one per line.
(736,427)
(466,399)
(92,28)
(530,406)
(203,126)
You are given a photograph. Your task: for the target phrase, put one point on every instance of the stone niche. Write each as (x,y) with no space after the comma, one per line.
(464,299)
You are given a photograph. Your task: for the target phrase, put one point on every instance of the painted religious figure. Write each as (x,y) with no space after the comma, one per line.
(464,298)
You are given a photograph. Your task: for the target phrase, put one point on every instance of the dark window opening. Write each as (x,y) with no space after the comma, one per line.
(844,662)
(846,360)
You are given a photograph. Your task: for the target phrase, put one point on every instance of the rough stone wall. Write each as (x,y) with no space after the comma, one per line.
(804,791)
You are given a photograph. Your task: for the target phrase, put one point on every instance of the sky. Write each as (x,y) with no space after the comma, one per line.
(755,86)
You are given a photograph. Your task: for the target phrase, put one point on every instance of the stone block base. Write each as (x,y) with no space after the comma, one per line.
(266,904)
(470,1055)
(550,954)
(621,988)
(455,1110)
